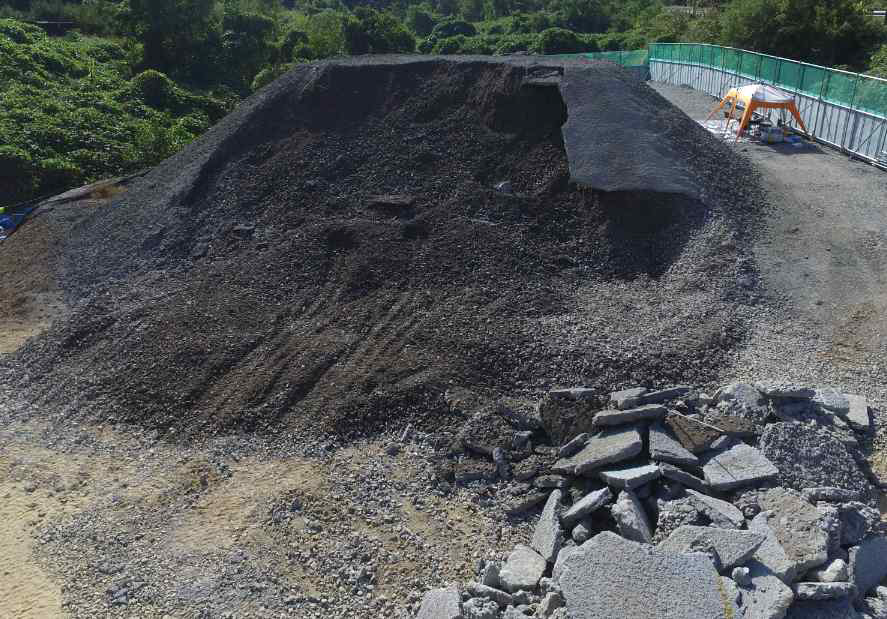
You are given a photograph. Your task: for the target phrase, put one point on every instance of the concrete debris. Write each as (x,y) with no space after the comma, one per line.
(525,503)
(610,576)
(480,590)
(551,481)
(766,596)
(857,520)
(867,565)
(522,570)
(835,571)
(745,400)
(564,418)
(588,504)
(440,604)
(630,477)
(648,412)
(822,590)
(733,547)
(692,435)
(631,519)
(608,447)
(665,395)
(741,576)
(833,495)
(490,575)
(574,446)
(480,608)
(665,448)
(737,466)
(770,554)
(858,413)
(832,400)
(548,534)
(720,513)
(824,609)
(690,481)
(550,603)
(582,532)
(798,527)
(781,389)
(627,398)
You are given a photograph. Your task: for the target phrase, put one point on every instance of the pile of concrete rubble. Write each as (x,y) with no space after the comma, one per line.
(752,503)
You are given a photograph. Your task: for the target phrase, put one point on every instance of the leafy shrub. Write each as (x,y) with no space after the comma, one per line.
(452,28)
(57,174)
(16,174)
(373,32)
(561,41)
(512,43)
(419,20)
(156,89)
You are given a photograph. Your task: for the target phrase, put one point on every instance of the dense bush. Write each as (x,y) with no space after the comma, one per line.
(373,32)
(452,28)
(560,41)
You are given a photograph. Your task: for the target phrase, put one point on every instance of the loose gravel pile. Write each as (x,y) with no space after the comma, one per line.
(754,502)
(365,235)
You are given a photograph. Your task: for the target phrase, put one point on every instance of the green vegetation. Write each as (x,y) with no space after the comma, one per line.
(138,79)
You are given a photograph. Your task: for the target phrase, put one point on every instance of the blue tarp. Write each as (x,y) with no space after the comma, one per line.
(8,223)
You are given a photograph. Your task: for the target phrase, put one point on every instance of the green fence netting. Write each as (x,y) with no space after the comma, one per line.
(632,58)
(852,90)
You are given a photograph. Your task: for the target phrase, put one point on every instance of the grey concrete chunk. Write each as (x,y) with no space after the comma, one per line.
(858,413)
(551,481)
(822,590)
(675,474)
(808,457)
(574,445)
(550,603)
(490,575)
(770,554)
(627,398)
(582,531)
(738,466)
(520,504)
(721,513)
(832,495)
(664,395)
(825,609)
(497,595)
(733,546)
(562,557)
(798,527)
(522,570)
(767,597)
(608,447)
(832,400)
(783,389)
(589,503)
(835,571)
(480,608)
(631,519)
(665,448)
(744,401)
(868,564)
(647,412)
(630,477)
(857,520)
(548,534)
(441,604)
(609,577)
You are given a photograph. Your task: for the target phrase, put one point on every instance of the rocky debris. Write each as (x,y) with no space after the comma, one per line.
(480,608)
(798,528)
(490,575)
(665,395)
(695,437)
(524,503)
(631,519)
(481,590)
(766,596)
(574,446)
(739,465)
(627,398)
(824,609)
(720,513)
(733,547)
(858,413)
(573,393)
(857,520)
(832,400)
(770,555)
(867,565)
(548,534)
(551,481)
(672,514)
(743,400)
(610,576)
(441,604)
(522,570)
(630,477)
(822,590)
(563,418)
(648,412)
(735,427)
(876,605)
(550,603)
(665,448)
(468,471)
(690,481)
(741,576)
(582,531)
(608,447)
(588,504)
(780,390)
(834,571)
(833,495)
(807,457)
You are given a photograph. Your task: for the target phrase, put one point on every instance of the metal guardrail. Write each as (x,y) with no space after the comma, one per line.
(847,111)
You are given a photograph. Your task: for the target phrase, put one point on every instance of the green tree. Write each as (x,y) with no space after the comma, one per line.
(374,32)
(419,20)
(171,31)
(878,63)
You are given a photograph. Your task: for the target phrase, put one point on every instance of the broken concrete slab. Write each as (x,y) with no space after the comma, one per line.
(548,534)
(627,398)
(766,597)
(807,456)
(441,604)
(694,436)
(690,481)
(822,590)
(857,520)
(588,504)
(832,400)
(832,495)
(648,412)
(868,564)
(738,466)
(608,447)
(732,546)
(770,554)
(630,477)
(721,513)
(745,401)
(665,448)
(784,389)
(631,519)
(665,395)
(609,576)
(485,591)
(835,571)
(522,570)
(858,413)
(574,446)
(798,527)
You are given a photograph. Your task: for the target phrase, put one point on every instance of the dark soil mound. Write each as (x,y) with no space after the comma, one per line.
(334,255)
